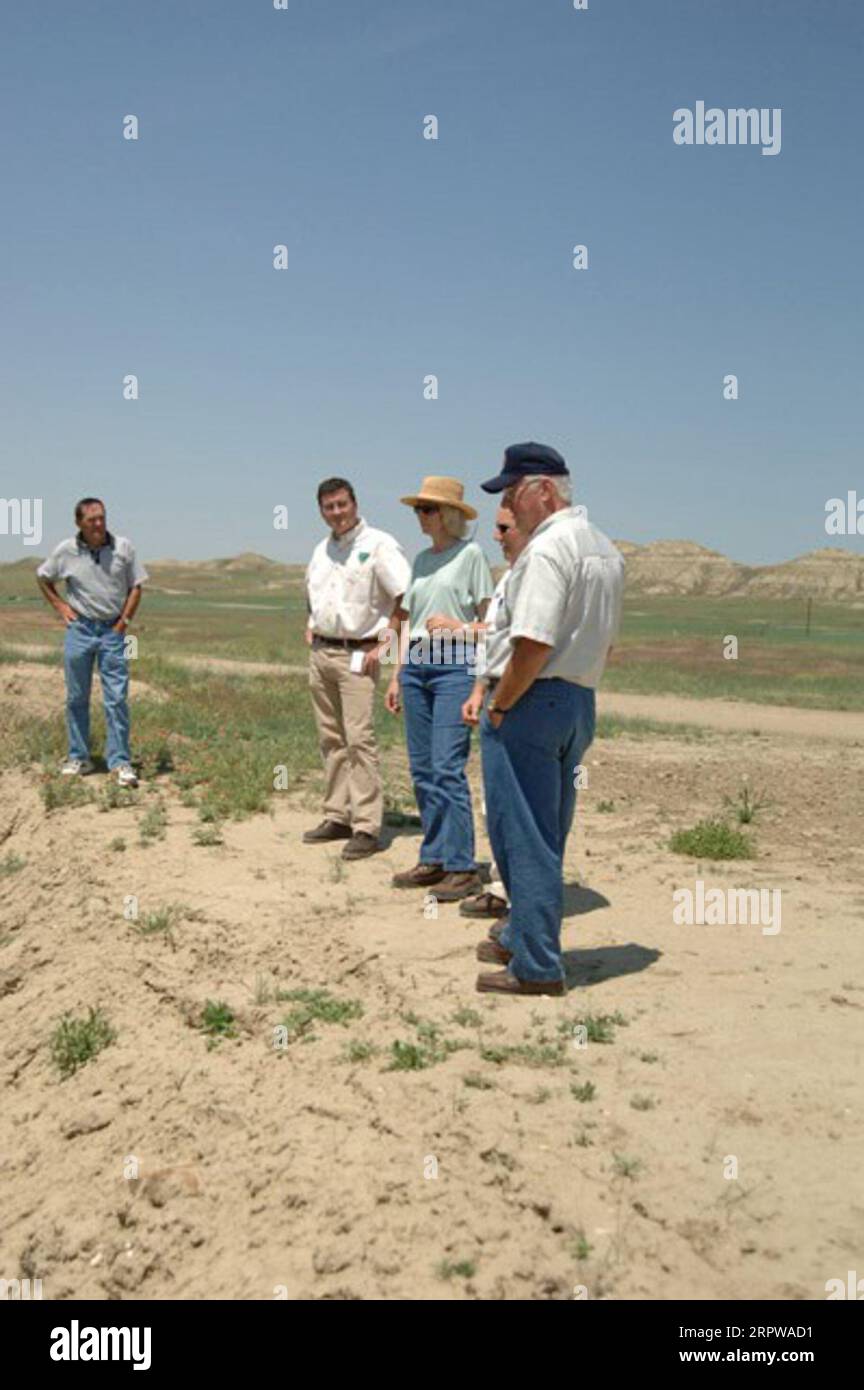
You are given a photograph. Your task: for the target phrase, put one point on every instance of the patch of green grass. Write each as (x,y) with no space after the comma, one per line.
(12,864)
(118,844)
(60,792)
(539,1096)
(477,1081)
(643,1103)
(313,1006)
(467,1018)
(605,806)
(587,1091)
(153,824)
(113,796)
(76,1040)
(531,1054)
(217,1020)
(336,869)
(600,1028)
(358,1051)
(429,1049)
(712,839)
(626,1167)
(618,725)
(746,805)
(450,1269)
(649,1057)
(581,1247)
(207,836)
(162,921)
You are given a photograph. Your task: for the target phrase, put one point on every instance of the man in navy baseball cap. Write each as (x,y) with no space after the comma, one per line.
(527,460)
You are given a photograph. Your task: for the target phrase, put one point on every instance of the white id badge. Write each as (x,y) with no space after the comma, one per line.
(356,664)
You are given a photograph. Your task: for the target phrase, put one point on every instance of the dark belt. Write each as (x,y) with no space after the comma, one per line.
(351,643)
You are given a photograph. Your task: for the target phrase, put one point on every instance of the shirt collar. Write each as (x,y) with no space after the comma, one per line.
(562,514)
(82,544)
(350,536)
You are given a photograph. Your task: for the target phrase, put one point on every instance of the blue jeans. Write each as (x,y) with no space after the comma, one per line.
(529,772)
(88,640)
(438,747)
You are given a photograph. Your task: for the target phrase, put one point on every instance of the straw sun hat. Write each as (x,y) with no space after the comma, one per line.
(446,492)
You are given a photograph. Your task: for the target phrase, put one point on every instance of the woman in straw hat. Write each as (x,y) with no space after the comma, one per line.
(443,610)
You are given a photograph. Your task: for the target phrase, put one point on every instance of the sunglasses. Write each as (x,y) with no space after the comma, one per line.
(427,507)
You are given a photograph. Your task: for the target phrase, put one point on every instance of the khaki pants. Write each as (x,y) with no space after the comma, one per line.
(343,701)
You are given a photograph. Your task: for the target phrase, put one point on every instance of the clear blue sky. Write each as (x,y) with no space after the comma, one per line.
(409,257)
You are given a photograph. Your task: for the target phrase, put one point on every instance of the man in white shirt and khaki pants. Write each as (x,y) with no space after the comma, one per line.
(355,579)
(559,614)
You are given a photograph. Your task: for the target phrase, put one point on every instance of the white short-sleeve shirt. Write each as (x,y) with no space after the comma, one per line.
(494,645)
(565,590)
(352,582)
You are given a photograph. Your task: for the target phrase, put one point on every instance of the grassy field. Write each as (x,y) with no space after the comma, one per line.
(219,737)
(675,646)
(667,645)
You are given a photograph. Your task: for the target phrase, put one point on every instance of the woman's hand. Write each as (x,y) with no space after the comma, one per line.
(440,621)
(393,696)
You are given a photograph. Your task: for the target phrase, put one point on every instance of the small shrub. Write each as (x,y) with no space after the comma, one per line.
(712,839)
(75,1040)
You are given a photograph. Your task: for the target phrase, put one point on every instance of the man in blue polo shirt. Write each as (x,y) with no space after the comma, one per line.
(103,579)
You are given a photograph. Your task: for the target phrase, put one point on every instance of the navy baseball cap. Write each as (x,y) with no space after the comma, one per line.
(524,461)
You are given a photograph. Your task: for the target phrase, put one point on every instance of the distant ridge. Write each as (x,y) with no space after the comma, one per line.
(683,567)
(673,567)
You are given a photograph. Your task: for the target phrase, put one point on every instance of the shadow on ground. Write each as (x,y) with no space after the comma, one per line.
(592,967)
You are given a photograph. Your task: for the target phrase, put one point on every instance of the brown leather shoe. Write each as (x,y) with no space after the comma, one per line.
(421,876)
(491,951)
(327,830)
(502,982)
(455,886)
(483,905)
(361,845)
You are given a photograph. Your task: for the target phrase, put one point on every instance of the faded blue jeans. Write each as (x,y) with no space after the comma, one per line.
(529,776)
(438,747)
(88,640)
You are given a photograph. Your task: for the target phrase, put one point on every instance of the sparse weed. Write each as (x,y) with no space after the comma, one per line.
(712,839)
(449,1269)
(643,1103)
(746,805)
(153,824)
(627,1167)
(315,1006)
(207,836)
(75,1040)
(217,1021)
(587,1091)
(479,1082)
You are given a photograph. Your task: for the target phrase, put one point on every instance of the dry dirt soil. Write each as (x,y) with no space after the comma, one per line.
(266,1172)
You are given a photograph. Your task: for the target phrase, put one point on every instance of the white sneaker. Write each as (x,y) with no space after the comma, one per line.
(126,776)
(76,767)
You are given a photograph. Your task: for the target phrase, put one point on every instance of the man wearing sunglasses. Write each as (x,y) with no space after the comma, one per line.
(560,613)
(492,657)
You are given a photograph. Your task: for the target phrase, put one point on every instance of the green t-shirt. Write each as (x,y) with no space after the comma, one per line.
(454,582)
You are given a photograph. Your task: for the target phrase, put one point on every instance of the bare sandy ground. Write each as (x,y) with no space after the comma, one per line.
(263,1169)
